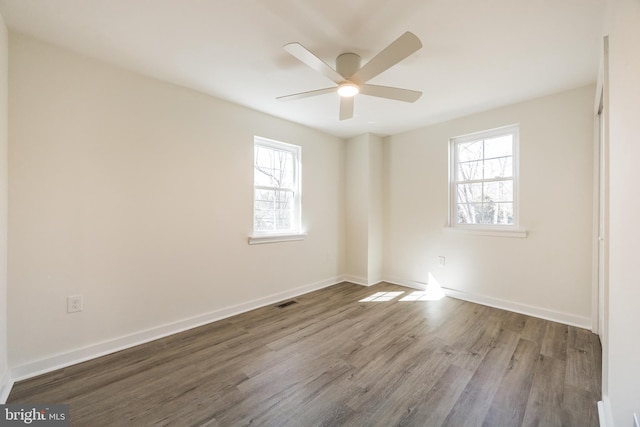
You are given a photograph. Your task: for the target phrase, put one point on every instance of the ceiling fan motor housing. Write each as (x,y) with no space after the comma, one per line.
(347,64)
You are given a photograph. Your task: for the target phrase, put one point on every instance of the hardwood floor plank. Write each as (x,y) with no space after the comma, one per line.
(583,360)
(544,408)
(514,321)
(334,358)
(581,370)
(433,407)
(395,390)
(554,343)
(470,352)
(510,402)
(534,329)
(578,409)
(471,407)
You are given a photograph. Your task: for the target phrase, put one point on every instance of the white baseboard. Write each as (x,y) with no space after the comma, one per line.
(357,280)
(407,283)
(529,310)
(6,384)
(73,357)
(543,313)
(604,413)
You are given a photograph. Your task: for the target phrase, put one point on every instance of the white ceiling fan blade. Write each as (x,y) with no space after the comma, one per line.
(346,107)
(396,93)
(311,60)
(307,94)
(402,47)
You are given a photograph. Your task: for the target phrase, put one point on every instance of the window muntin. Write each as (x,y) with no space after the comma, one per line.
(483,179)
(276,178)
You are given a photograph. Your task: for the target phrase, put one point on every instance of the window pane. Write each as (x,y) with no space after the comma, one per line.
(263,210)
(491,213)
(468,151)
(501,167)
(469,193)
(470,171)
(498,147)
(468,213)
(273,210)
(500,191)
(487,213)
(262,157)
(273,168)
(283,169)
(283,219)
(263,177)
(504,213)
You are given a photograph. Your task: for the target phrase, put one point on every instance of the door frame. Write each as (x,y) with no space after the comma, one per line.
(600,264)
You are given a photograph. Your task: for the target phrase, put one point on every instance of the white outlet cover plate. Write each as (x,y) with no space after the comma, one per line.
(74,303)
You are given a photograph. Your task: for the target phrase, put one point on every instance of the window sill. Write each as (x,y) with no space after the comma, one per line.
(518,233)
(275,238)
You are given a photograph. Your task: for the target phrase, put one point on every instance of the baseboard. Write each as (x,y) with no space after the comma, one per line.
(543,313)
(529,310)
(407,283)
(604,413)
(6,384)
(73,357)
(357,280)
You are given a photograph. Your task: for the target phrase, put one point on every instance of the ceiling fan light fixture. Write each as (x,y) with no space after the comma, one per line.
(348,89)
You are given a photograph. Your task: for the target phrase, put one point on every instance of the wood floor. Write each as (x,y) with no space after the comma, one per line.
(333,360)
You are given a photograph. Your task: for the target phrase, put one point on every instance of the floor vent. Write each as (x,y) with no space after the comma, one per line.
(286,304)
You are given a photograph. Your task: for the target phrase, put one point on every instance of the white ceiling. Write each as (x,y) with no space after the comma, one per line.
(476,54)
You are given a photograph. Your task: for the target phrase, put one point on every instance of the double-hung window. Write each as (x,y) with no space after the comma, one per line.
(483,180)
(276,179)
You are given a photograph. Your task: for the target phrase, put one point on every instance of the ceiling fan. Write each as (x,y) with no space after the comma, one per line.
(352,79)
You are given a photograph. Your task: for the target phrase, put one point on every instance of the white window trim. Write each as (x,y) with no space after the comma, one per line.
(260,237)
(488,232)
(275,238)
(511,230)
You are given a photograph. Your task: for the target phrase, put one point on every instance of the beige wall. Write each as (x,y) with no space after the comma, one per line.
(375,210)
(364,193)
(137,194)
(357,212)
(549,272)
(4,52)
(621,377)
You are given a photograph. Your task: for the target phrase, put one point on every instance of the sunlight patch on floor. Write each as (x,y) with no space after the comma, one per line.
(433,294)
(381,296)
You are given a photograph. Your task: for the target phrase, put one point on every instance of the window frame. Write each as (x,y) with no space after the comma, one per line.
(295,231)
(486,229)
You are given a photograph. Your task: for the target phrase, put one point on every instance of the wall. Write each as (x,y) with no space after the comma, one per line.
(621,378)
(137,194)
(357,204)
(375,209)
(5,381)
(548,273)
(364,192)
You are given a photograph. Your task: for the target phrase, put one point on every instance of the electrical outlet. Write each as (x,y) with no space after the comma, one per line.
(441,261)
(74,303)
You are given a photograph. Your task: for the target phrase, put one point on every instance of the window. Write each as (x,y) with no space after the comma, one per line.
(483,179)
(276,179)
